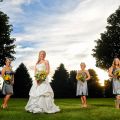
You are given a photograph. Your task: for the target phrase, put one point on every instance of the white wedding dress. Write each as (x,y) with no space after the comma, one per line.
(41,98)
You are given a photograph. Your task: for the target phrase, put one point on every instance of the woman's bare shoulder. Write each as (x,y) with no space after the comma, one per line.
(46,61)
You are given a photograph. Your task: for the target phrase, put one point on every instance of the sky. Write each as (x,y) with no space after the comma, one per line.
(65,29)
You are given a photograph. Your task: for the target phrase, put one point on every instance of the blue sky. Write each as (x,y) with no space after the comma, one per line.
(65,29)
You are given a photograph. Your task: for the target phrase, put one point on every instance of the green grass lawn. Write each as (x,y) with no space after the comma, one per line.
(98,109)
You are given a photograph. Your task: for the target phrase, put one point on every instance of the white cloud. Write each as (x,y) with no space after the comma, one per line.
(68,37)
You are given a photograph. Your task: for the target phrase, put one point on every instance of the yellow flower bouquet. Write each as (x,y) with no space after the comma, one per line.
(117,74)
(40,76)
(80,77)
(7,77)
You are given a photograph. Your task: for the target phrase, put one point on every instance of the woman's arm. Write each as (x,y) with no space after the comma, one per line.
(3,72)
(110,72)
(12,75)
(12,79)
(78,72)
(88,75)
(47,67)
(35,70)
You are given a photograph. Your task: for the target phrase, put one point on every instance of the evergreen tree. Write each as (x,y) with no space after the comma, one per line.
(23,82)
(60,82)
(6,42)
(72,84)
(94,88)
(108,46)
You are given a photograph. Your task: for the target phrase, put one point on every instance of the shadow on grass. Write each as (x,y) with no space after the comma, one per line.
(78,109)
(103,105)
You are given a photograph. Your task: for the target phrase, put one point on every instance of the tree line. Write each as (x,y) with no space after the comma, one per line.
(63,83)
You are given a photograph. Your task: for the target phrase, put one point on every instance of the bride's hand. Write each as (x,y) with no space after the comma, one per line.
(38,82)
(114,76)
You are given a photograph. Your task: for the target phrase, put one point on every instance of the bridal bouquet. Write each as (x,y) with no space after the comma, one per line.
(80,77)
(40,76)
(7,77)
(117,73)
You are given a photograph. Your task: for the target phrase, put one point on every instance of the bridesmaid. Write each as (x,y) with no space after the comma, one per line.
(116,82)
(7,89)
(82,89)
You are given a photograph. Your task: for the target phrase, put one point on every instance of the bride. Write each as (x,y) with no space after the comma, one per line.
(41,98)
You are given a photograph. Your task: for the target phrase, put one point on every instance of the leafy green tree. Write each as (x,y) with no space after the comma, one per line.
(23,82)
(108,46)
(94,87)
(60,82)
(6,42)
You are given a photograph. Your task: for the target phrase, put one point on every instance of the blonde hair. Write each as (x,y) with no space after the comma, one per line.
(42,51)
(82,63)
(113,63)
(7,59)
